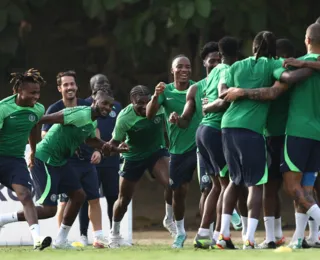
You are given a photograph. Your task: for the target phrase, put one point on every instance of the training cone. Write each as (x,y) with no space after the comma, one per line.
(77,244)
(283,249)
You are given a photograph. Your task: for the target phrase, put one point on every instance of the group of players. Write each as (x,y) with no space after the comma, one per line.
(246,119)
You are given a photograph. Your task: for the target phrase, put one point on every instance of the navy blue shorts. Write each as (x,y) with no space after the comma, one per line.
(133,170)
(109,180)
(275,145)
(300,155)
(182,167)
(203,178)
(246,156)
(14,171)
(88,176)
(49,181)
(209,143)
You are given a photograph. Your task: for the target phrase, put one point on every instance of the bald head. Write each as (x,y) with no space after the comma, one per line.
(313,34)
(318,20)
(99,80)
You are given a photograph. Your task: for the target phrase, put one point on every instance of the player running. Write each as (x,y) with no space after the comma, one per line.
(108,168)
(52,174)
(82,161)
(19,115)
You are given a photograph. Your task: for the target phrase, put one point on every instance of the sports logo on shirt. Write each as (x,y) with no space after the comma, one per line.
(112,114)
(32,118)
(53,197)
(157,120)
(205,179)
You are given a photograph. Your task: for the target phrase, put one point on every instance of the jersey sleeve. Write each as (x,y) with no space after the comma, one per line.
(2,115)
(51,109)
(120,129)
(161,98)
(77,116)
(226,77)
(278,69)
(93,133)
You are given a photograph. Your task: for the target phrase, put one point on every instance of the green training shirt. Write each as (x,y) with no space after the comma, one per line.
(143,136)
(16,124)
(250,74)
(173,100)
(61,141)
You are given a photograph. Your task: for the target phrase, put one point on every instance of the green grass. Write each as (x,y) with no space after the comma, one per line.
(152,252)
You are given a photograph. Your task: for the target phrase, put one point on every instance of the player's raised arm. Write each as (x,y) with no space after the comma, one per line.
(156,100)
(219,105)
(55,118)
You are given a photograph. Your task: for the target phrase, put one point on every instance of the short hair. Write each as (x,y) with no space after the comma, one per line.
(67,73)
(96,78)
(285,48)
(139,90)
(178,56)
(313,32)
(264,45)
(229,46)
(29,76)
(102,92)
(318,20)
(208,48)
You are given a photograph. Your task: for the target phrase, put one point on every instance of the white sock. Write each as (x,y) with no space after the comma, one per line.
(278,228)
(169,212)
(269,226)
(252,227)
(35,232)
(63,233)
(216,235)
(313,231)
(180,227)
(301,224)
(98,233)
(225,225)
(314,212)
(204,232)
(8,218)
(211,229)
(115,227)
(244,226)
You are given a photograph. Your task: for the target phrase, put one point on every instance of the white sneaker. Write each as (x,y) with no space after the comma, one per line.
(116,241)
(84,240)
(312,243)
(65,245)
(170,225)
(42,243)
(100,242)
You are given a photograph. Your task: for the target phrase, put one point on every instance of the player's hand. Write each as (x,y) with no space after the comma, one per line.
(292,62)
(205,101)
(106,149)
(174,118)
(159,89)
(232,94)
(31,160)
(122,148)
(96,157)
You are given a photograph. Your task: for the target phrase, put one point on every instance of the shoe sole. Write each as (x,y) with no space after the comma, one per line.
(45,243)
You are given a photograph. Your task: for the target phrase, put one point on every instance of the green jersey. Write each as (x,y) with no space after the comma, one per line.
(143,136)
(173,100)
(212,93)
(250,74)
(61,141)
(201,85)
(304,110)
(16,124)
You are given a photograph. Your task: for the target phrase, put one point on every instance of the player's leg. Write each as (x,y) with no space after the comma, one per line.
(271,200)
(84,223)
(255,173)
(17,178)
(159,167)
(182,167)
(243,209)
(313,238)
(233,190)
(63,199)
(130,173)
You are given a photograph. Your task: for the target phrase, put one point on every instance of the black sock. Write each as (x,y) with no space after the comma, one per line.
(111,200)
(84,219)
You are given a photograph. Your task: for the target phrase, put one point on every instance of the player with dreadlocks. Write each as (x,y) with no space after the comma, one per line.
(243,127)
(52,173)
(19,115)
(183,151)
(147,151)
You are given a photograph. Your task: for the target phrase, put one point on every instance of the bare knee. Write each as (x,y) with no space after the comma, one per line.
(24,196)
(78,196)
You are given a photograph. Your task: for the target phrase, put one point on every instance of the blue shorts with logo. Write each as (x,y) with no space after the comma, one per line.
(50,181)
(88,177)
(133,170)
(246,156)
(275,146)
(14,171)
(182,167)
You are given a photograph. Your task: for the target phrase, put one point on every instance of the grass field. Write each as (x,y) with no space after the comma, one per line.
(156,245)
